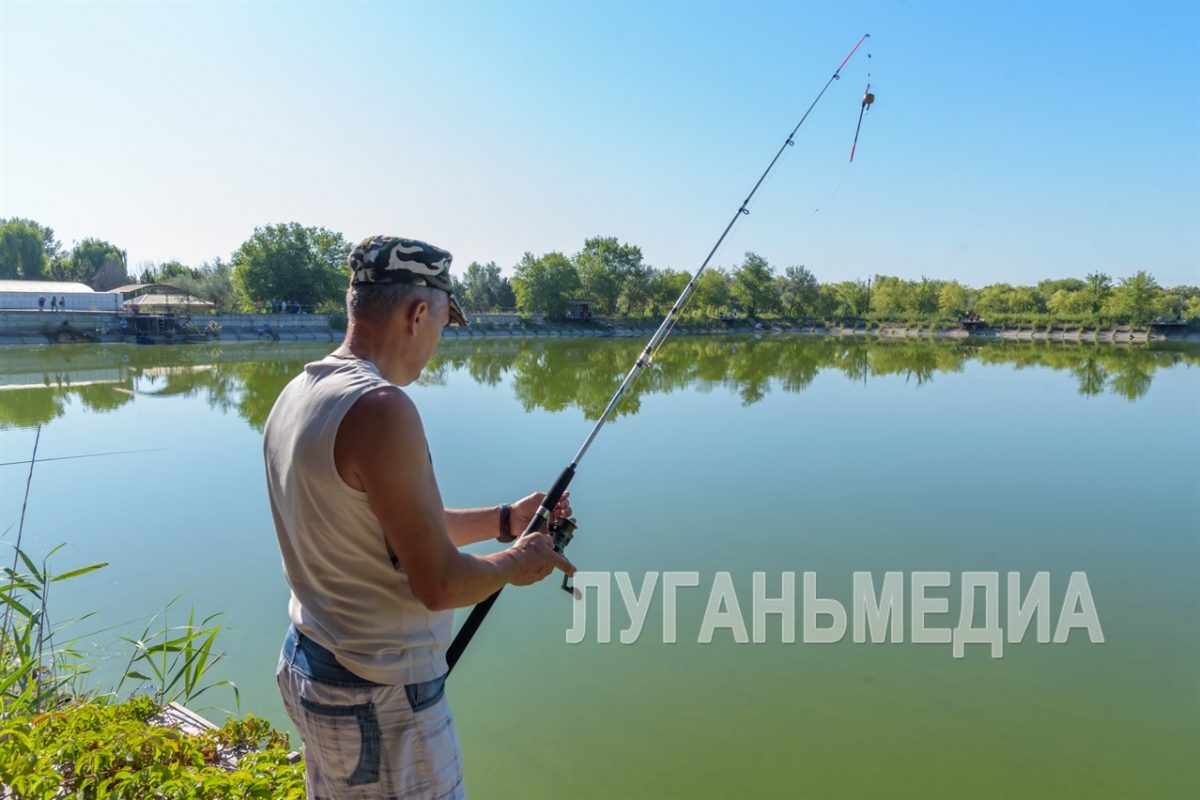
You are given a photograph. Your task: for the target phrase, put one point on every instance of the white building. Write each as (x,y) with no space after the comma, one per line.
(24,295)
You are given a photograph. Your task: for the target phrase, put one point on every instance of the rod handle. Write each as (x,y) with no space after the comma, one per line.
(467,631)
(552,497)
(480,611)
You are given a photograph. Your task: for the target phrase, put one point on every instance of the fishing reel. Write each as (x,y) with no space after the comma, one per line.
(563,531)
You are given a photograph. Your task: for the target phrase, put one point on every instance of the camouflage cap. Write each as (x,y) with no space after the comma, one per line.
(390,259)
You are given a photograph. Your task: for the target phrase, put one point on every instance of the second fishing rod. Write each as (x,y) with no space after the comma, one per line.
(563,532)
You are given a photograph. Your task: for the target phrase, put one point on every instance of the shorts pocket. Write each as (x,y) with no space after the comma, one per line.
(423,695)
(329,723)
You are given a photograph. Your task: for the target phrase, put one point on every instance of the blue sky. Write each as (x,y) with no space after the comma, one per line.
(1008,141)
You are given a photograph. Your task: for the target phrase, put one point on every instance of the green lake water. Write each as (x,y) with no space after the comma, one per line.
(734,454)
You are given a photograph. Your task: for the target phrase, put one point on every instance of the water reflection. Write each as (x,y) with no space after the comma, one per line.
(36,383)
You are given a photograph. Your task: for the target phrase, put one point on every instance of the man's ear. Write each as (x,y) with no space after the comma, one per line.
(417,312)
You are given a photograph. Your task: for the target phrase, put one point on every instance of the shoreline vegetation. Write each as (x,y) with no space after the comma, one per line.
(60,737)
(300,267)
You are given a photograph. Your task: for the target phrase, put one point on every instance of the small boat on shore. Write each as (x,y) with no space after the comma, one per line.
(161,329)
(972,323)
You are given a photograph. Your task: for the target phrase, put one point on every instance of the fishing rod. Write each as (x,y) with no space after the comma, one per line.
(563,530)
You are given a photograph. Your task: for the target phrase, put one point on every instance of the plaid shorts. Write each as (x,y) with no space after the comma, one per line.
(368,740)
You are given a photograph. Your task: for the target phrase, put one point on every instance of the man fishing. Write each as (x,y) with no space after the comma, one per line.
(369,551)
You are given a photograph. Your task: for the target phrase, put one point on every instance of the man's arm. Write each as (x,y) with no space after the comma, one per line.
(380,449)
(470,525)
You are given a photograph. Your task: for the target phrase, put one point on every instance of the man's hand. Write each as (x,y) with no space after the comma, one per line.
(524,509)
(533,558)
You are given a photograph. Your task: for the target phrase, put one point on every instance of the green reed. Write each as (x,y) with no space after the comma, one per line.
(174,659)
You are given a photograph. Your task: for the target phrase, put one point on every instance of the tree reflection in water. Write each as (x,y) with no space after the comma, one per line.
(37,384)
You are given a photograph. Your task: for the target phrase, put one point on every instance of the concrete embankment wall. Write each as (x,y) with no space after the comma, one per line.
(288,327)
(39,327)
(25,326)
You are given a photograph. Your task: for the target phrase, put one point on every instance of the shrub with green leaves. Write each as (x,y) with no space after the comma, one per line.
(94,749)
(57,741)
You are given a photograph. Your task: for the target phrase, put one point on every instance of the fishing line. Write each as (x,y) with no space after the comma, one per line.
(84,455)
(836,189)
(563,534)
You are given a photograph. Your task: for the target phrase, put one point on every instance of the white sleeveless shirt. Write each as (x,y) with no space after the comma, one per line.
(346,594)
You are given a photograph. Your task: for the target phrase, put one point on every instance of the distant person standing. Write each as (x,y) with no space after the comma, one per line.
(62,303)
(41,303)
(53,303)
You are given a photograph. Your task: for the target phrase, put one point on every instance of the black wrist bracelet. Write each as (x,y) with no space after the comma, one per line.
(506,534)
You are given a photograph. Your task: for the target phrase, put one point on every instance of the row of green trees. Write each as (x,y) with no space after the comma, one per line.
(30,251)
(617,280)
(1136,298)
(303,264)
